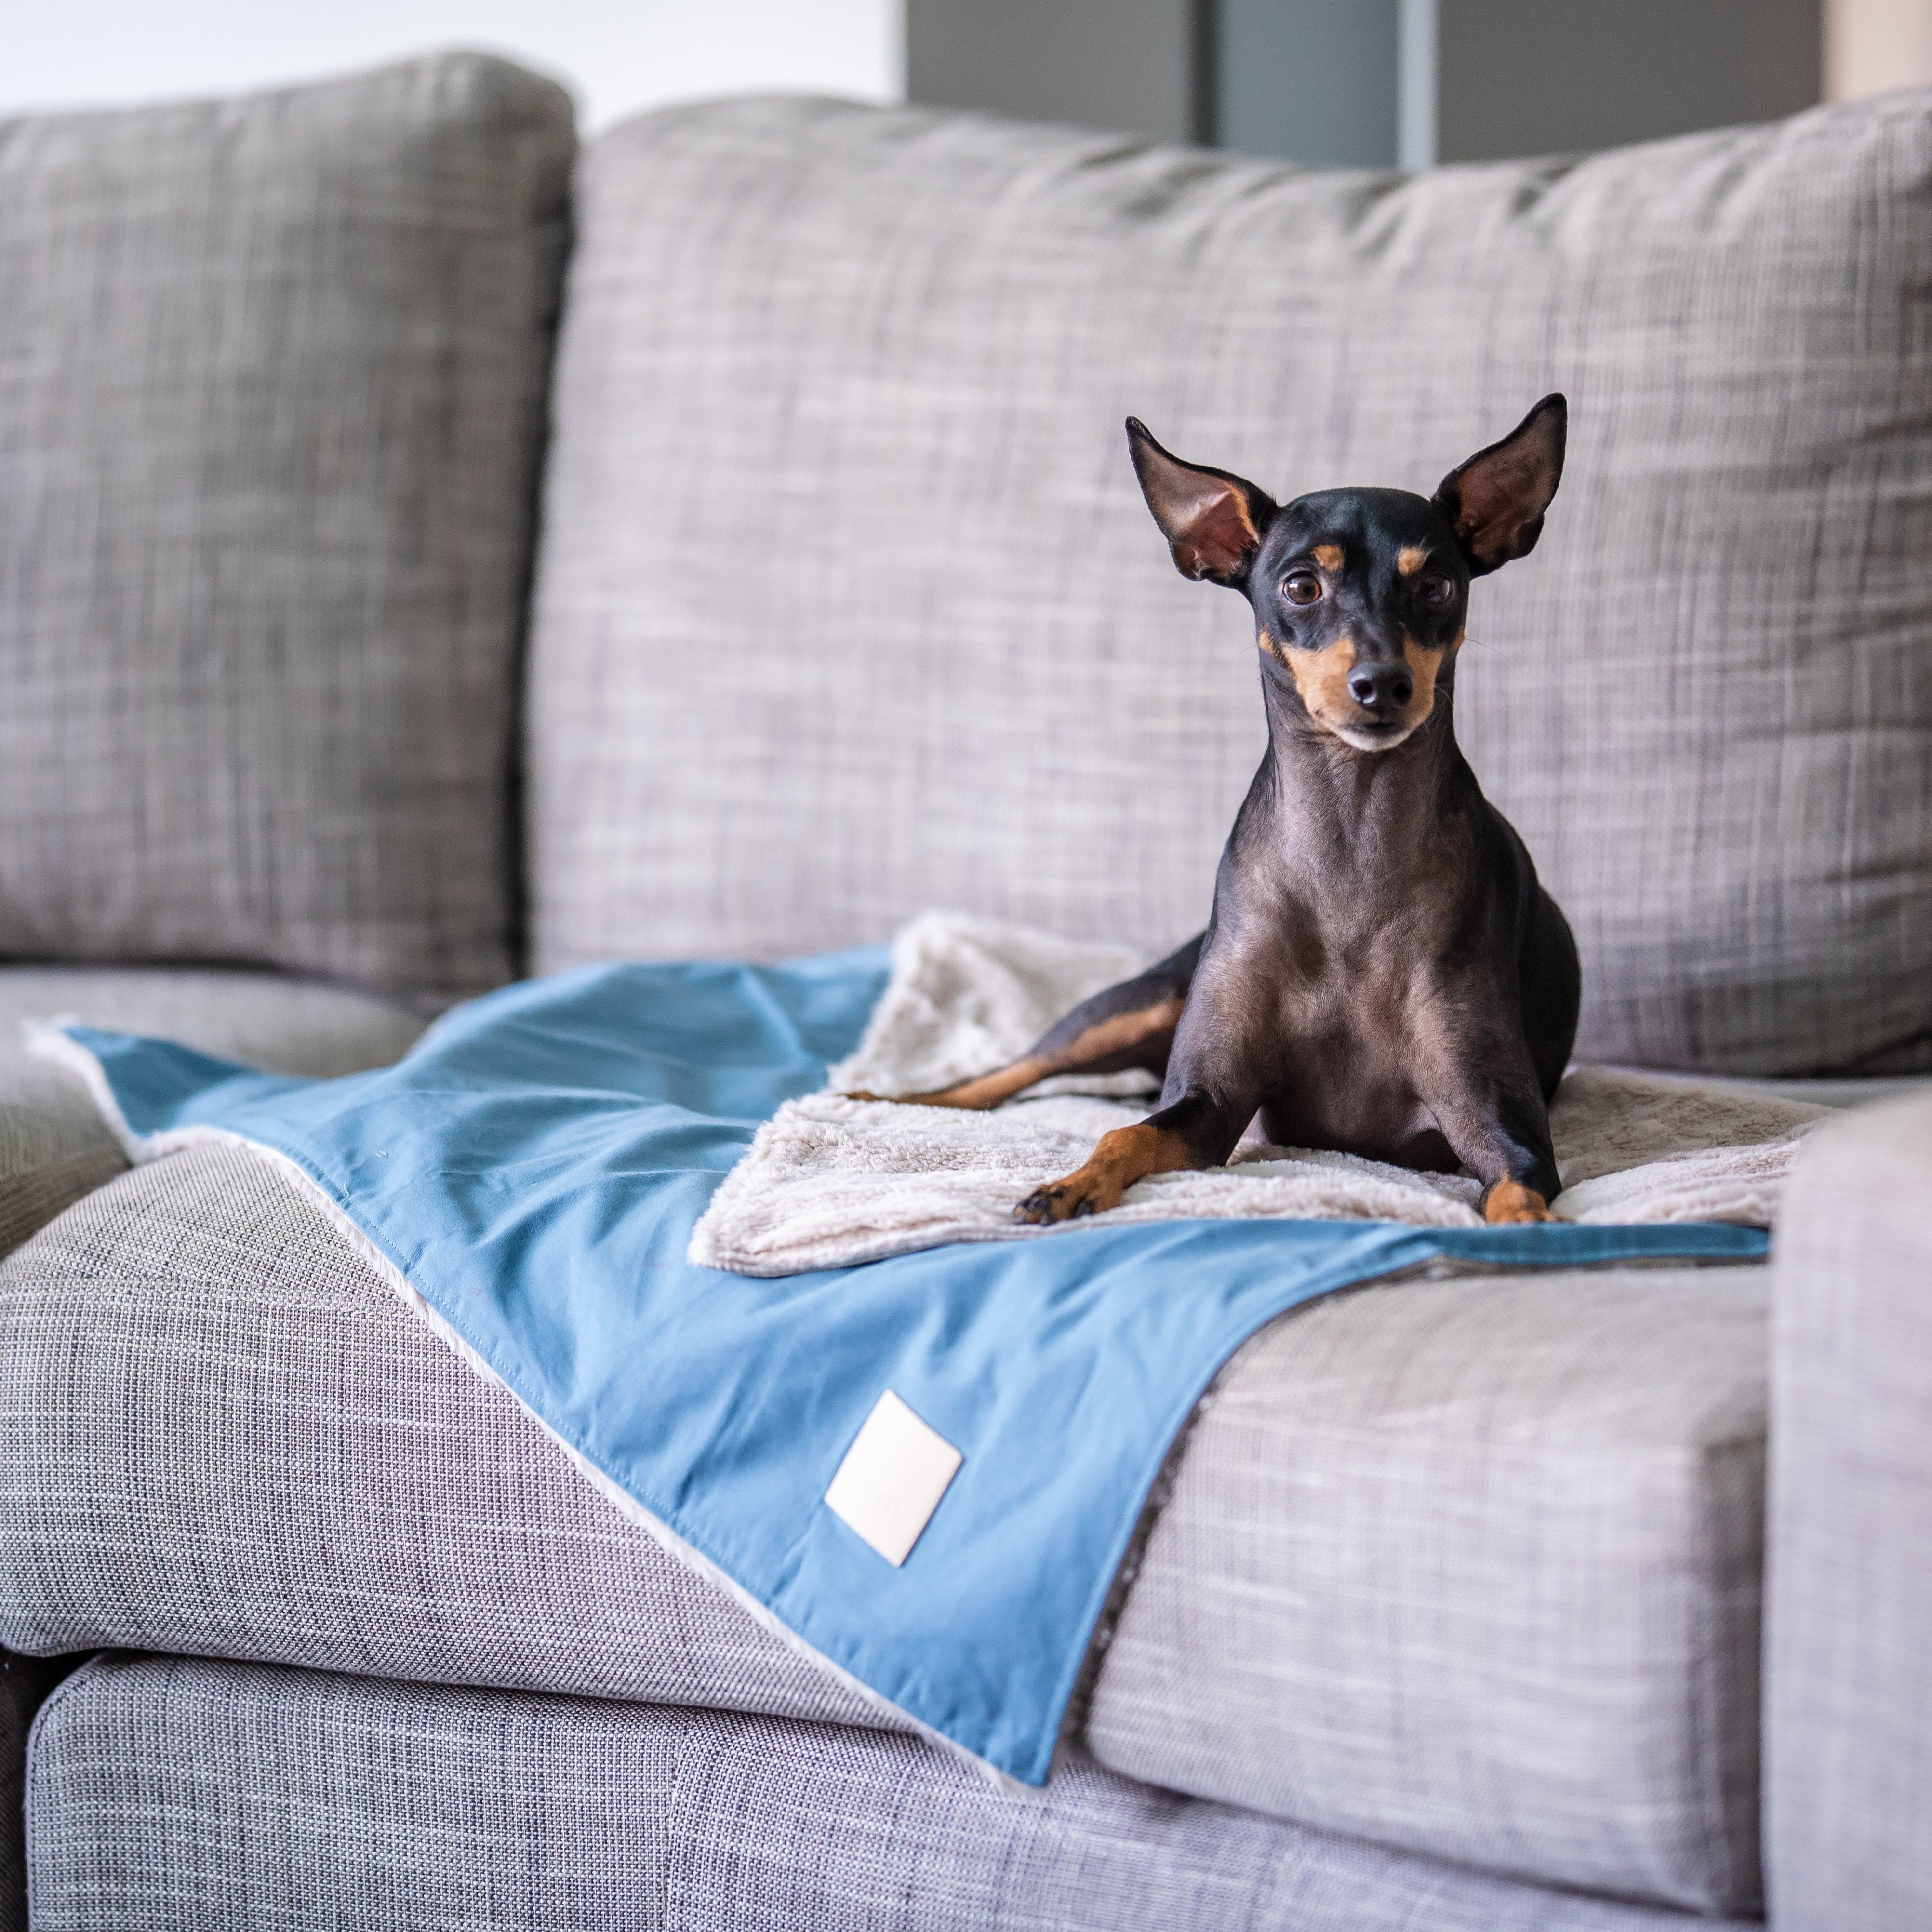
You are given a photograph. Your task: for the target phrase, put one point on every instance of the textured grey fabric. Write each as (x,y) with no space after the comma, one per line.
(848,605)
(17,1705)
(53,1146)
(25,1682)
(272,376)
(1468,1566)
(1473,1567)
(1865,1091)
(320,1478)
(1848,1691)
(164,1794)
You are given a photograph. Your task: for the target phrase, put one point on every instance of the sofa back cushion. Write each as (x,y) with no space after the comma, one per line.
(848,604)
(272,376)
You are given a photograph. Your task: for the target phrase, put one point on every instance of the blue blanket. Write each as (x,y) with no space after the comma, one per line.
(533,1169)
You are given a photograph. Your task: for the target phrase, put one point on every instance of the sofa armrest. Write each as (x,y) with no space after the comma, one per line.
(1848,1654)
(54,1147)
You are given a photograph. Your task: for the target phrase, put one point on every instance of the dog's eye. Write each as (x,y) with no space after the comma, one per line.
(1301,587)
(1437,590)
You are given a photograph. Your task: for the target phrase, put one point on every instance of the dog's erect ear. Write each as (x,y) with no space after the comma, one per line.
(1214,523)
(1495,501)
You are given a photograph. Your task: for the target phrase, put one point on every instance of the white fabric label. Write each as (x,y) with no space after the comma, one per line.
(892,1479)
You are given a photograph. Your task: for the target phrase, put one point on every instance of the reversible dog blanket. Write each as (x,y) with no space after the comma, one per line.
(831,1181)
(926,1470)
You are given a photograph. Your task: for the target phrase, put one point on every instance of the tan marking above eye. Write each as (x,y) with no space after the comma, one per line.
(1328,556)
(1410,560)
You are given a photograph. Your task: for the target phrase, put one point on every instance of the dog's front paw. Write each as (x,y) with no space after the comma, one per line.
(1079,1194)
(1056,1203)
(1509,1203)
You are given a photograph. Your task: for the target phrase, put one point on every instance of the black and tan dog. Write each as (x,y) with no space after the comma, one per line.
(1382,972)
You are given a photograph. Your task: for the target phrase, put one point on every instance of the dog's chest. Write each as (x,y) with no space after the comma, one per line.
(1350,1057)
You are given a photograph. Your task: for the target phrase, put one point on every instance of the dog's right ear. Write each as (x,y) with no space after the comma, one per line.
(1495,501)
(1214,522)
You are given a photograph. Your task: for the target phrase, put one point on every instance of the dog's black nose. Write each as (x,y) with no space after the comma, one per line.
(1381,687)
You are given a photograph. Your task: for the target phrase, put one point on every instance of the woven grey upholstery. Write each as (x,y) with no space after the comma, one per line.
(848,605)
(1848,1690)
(1469,1567)
(53,1146)
(1473,1567)
(170,1795)
(25,1682)
(17,1705)
(271,382)
(320,1479)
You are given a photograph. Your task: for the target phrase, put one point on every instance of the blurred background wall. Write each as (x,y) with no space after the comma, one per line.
(1874,45)
(616,56)
(1355,82)
(1377,83)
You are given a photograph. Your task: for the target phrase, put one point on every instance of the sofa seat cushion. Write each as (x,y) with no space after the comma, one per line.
(173,1795)
(898,345)
(53,1147)
(1474,1566)
(272,380)
(1467,1566)
(25,1682)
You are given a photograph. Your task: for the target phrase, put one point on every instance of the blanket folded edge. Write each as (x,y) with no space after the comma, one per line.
(48,1039)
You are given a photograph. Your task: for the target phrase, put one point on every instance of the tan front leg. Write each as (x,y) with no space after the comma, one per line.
(1120,1158)
(1509,1202)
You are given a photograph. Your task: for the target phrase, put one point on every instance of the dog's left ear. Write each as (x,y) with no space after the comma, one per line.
(1495,501)
(1214,522)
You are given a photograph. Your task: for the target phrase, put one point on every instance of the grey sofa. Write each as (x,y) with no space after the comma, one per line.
(428,553)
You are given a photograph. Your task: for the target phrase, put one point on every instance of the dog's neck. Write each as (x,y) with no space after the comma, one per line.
(1343,819)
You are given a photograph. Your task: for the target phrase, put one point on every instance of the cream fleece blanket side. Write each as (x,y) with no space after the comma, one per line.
(830,1181)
